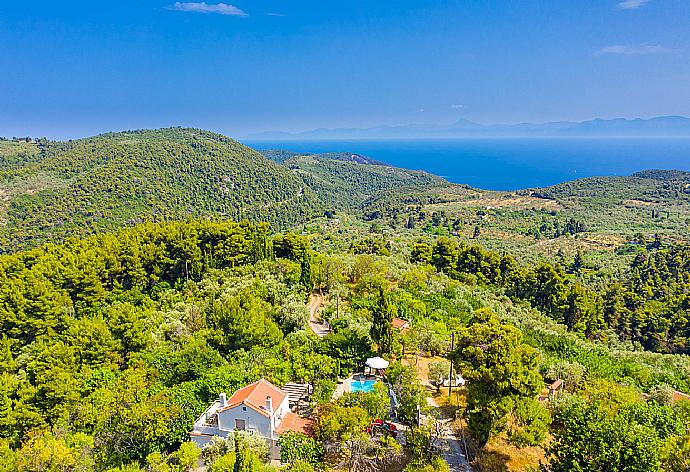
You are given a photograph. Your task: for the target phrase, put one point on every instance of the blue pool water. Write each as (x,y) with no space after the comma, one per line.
(362,385)
(511,163)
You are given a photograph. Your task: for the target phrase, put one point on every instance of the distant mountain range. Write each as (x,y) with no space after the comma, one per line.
(661,126)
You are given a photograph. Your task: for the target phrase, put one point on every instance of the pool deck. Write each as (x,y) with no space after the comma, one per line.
(345,385)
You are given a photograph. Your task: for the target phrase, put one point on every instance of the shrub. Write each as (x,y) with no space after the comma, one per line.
(532,422)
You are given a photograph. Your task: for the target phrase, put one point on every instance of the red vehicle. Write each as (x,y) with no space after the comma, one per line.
(378,426)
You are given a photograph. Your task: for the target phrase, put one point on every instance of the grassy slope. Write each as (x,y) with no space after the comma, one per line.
(10,151)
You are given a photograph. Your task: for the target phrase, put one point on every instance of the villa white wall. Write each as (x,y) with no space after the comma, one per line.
(281,411)
(201,441)
(254,420)
(259,424)
(284,407)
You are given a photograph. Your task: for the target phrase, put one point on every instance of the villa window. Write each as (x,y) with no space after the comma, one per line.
(240,425)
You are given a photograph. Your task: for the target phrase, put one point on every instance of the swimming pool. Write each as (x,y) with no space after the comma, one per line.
(362,385)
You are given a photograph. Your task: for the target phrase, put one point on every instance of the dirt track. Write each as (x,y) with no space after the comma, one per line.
(320,328)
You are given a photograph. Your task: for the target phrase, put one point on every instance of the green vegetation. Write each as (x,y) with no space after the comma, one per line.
(501,371)
(280,156)
(648,304)
(592,436)
(55,190)
(297,447)
(113,180)
(113,352)
(124,338)
(112,344)
(343,184)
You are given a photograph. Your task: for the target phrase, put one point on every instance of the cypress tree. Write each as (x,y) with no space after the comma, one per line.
(382,328)
(305,275)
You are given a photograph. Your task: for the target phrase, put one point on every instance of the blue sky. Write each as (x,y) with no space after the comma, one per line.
(75,68)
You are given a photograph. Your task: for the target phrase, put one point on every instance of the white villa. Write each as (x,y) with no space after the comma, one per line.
(260,408)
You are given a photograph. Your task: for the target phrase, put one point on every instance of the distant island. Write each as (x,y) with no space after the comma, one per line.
(661,126)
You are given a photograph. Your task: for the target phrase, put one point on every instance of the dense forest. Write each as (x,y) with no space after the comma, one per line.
(130,298)
(650,306)
(281,155)
(113,344)
(345,184)
(53,190)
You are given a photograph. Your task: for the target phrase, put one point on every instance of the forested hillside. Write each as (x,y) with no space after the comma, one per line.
(648,304)
(340,182)
(347,180)
(104,364)
(53,190)
(281,155)
(649,201)
(112,342)
(112,345)
(652,186)
(118,179)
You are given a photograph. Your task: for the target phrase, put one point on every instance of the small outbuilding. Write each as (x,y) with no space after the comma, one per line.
(401,325)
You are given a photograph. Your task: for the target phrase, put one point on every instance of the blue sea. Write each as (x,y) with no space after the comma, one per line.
(511,163)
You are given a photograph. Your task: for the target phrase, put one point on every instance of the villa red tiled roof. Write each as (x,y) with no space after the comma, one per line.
(294,422)
(678,396)
(254,396)
(401,325)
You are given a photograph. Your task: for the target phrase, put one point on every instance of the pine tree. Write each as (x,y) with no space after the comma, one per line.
(500,370)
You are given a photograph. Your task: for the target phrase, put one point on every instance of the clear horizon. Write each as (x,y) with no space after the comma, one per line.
(78,69)
(297,136)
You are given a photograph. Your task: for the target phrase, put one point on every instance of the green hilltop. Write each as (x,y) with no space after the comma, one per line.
(113,344)
(105,182)
(56,190)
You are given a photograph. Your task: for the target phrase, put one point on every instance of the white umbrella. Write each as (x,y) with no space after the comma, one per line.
(377,363)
